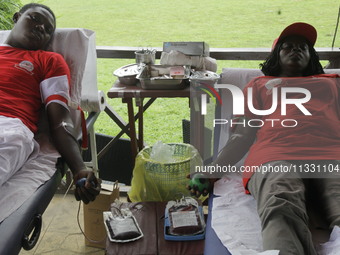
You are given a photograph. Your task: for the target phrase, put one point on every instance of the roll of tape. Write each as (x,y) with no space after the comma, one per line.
(94,103)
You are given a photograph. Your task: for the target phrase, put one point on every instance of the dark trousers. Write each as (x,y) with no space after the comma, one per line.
(281,204)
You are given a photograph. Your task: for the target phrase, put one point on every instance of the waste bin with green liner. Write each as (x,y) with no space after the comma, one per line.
(157,181)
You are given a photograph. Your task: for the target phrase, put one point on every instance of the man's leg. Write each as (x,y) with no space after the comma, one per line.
(16,144)
(282,210)
(329,193)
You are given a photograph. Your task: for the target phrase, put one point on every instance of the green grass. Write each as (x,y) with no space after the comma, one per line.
(221,23)
(7,7)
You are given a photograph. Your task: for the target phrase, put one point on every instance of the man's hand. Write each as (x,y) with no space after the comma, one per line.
(61,127)
(90,189)
(200,184)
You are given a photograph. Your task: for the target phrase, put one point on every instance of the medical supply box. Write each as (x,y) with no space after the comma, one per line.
(188,48)
(94,228)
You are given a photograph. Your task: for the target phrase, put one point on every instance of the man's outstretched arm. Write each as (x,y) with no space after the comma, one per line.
(62,132)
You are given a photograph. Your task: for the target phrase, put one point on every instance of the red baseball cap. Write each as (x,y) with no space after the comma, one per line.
(298,28)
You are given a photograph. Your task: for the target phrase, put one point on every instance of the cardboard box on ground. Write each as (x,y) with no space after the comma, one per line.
(94,228)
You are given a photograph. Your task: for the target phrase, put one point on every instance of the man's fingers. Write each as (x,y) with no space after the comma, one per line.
(94,191)
(205,192)
(87,186)
(86,195)
(77,195)
(198,194)
(80,196)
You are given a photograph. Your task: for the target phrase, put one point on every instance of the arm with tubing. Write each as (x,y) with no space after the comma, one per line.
(62,134)
(237,146)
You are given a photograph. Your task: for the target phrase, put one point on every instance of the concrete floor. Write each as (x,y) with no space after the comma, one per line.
(60,231)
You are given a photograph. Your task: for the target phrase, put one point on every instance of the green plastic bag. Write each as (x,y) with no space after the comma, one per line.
(157,181)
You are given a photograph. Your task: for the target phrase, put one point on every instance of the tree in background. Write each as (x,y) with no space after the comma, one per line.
(7,9)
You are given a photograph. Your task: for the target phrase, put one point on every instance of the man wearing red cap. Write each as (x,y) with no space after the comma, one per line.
(296,163)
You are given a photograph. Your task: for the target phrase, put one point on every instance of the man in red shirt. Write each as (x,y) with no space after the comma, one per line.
(29,79)
(290,162)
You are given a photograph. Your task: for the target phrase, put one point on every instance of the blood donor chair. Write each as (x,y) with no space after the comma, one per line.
(213,245)
(26,195)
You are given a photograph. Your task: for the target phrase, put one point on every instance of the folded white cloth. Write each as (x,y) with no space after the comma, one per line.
(235,219)
(237,224)
(174,58)
(332,247)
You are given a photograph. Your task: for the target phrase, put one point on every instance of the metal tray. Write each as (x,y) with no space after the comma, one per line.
(127,74)
(158,77)
(204,77)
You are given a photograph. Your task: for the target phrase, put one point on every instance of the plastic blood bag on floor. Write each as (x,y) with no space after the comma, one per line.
(121,225)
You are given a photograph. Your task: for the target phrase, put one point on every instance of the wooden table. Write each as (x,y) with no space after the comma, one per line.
(150,217)
(130,93)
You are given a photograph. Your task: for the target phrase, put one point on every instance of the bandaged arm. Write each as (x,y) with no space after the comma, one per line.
(237,145)
(55,95)
(61,128)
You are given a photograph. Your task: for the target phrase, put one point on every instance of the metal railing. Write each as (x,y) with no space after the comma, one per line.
(330,54)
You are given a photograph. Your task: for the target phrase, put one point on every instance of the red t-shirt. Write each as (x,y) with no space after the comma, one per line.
(29,79)
(313,137)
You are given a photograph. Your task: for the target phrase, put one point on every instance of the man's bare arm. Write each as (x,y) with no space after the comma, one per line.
(237,146)
(62,132)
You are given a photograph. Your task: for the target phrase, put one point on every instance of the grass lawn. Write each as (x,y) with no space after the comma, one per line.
(220,23)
